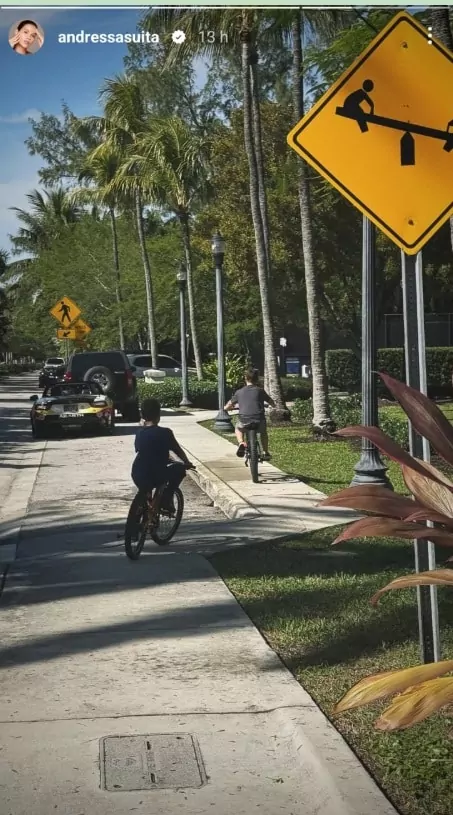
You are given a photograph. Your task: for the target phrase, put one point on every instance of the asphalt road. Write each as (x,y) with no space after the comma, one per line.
(83,487)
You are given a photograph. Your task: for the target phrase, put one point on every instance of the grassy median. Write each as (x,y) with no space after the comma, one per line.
(311,602)
(312,605)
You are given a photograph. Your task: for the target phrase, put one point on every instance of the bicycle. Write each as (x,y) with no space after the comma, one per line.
(146,517)
(253,453)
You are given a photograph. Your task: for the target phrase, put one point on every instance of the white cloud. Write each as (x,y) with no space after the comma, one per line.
(20,118)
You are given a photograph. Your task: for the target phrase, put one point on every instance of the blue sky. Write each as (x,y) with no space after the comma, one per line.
(39,83)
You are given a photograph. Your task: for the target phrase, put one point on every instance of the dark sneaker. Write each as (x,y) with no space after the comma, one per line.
(168,508)
(267,456)
(240,452)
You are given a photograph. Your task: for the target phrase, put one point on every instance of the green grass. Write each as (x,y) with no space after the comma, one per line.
(312,605)
(311,602)
(326,466)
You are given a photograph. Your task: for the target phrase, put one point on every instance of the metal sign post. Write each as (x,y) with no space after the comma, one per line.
(414,342)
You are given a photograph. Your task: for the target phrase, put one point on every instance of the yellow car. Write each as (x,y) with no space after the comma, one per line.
(71,405)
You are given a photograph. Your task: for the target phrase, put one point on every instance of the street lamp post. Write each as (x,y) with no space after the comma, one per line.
(223,421)
(181,277)
(370,469)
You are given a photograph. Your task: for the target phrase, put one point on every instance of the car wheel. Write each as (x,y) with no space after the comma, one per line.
(104,377)
(131,412)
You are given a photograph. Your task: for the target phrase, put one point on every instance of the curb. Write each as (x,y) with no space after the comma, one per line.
(15,509)
(224,497)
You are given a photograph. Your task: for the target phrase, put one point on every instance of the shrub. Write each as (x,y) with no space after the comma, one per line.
(294,387)
(204,394)
(347,411)
(344,369)
(15,368)
(235,366)
(169,392)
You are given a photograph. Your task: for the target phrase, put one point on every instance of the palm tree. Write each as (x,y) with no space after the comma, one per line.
(101,169)
(51,213)
(240,26)
(321,410)
(125,120)
(172,161)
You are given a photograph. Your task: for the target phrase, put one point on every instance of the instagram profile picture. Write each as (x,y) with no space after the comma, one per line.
(26,37)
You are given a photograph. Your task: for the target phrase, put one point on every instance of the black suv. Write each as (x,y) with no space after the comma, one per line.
(113,372)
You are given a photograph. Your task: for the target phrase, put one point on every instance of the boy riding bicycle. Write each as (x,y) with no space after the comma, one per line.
(250,401)
(152,465)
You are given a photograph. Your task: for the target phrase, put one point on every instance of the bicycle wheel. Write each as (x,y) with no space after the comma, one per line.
(136,527)
(168,524)
(253,452)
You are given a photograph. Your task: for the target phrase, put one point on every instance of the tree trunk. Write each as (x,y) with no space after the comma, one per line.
(440,21)
(116,264)
(259,153)
(185,230)
(274,383)
(148,281)
(321,409)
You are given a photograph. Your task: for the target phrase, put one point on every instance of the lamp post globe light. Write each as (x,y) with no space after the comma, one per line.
(181,277)
(223,421)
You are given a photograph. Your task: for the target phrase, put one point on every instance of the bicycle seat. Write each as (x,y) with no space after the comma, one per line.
(251,426)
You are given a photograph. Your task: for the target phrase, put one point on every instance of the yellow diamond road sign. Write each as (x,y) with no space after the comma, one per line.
(66,334)
(383,133)
(65,311)
(81,328)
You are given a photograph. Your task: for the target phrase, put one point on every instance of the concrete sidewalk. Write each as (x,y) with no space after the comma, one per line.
(278,506)
(144,687)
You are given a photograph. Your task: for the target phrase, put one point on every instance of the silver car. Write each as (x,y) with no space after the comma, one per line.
(143,362)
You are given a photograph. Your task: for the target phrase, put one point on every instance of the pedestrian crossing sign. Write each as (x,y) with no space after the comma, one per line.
(65,311)
(383,134)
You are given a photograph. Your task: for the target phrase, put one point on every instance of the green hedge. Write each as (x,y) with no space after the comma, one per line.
(346,411)
(204,394)
(15,368)
(344,369)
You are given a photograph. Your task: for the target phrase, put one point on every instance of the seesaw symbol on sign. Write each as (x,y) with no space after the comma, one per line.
(352,109)
(382,135)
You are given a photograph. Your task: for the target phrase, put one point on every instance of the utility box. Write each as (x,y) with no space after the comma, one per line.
(153,376)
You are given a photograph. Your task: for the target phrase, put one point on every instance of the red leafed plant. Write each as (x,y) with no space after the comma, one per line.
(422,689)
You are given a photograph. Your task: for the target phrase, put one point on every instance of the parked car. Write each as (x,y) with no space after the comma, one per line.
(112,371)
(71,404)
(52,371)
(143,362)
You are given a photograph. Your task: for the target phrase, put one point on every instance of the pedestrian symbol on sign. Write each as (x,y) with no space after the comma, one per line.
(65,312)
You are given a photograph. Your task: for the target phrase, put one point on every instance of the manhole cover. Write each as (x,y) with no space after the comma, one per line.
(155,762)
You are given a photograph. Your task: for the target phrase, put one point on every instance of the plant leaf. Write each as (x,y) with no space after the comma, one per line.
(391,528)
(387,446)
(431,493)
(424,415)
(416,704)
(380,685)
(369,498)
(430,515)
(436,577)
